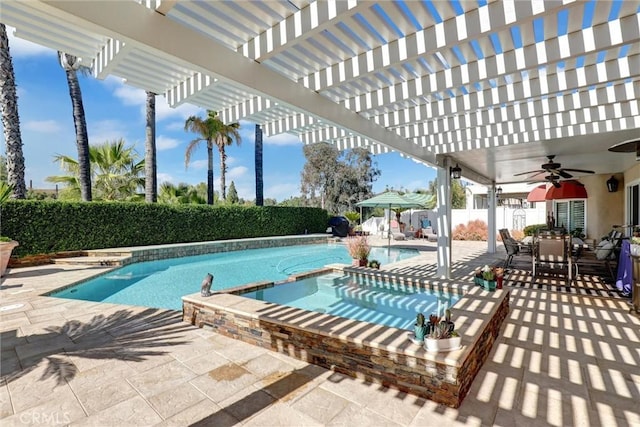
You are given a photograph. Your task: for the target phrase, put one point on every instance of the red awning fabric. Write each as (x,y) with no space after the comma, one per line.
(538,194)
(570,189)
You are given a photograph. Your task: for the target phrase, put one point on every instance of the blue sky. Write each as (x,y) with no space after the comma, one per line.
(115,110)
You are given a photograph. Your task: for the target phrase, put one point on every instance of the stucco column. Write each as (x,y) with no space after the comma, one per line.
(491,219)
(444,220)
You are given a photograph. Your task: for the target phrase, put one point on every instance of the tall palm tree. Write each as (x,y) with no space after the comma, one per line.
(150,162)
(258,163)
(207,129)
(72,66)
(226,135)
(117,173)
(11,119)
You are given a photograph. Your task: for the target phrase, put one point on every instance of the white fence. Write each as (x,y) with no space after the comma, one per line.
(510,218)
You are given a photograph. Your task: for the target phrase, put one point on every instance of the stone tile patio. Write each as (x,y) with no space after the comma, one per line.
(563,358)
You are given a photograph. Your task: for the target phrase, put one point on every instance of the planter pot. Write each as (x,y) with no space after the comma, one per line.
(447,344)
(5,253)
(420,332)
(360,262)
(489,285)
(478,280)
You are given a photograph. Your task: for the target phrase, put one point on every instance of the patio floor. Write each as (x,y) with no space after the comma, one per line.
(564,357)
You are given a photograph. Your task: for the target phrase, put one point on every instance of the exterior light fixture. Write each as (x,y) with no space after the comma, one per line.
(455,172)
(612,184)
(499,191)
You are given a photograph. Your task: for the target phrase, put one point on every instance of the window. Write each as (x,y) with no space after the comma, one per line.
(633,198)
(571,214)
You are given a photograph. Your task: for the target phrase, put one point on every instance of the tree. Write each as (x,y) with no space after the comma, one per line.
(180,194)
(232,197)
(117,172)
(11,120)
(458,193)
(212,131)
(226,135)
(150,161)
(71,66)
(336,181)
(258,166)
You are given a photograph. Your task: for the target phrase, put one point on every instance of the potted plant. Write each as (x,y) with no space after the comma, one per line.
(374,263)
(488,278)
(420,328)
(6,247)
(359,250)
(443,336)
(353,217)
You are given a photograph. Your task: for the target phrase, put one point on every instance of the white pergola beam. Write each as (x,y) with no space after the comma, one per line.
(153,30)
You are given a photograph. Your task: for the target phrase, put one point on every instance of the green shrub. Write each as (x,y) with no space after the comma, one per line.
(52,226)
(533,229)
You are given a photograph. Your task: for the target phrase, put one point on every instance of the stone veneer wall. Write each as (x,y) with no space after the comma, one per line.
(434,380)
(179,250)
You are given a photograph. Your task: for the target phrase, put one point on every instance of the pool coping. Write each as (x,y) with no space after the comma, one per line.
(478,316)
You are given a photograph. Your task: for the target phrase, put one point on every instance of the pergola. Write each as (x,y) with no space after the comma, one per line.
(493,86)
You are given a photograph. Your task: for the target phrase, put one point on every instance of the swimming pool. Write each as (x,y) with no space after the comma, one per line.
(358,297)
(161,284)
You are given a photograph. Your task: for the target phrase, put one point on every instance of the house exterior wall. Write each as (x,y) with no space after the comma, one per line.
(604,209)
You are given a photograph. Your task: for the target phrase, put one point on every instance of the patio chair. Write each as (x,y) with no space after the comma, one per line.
(553,252)
(395,230)
(606,253)
(429,234)
(511,246)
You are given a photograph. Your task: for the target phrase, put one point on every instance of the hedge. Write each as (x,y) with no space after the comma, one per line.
(44,227)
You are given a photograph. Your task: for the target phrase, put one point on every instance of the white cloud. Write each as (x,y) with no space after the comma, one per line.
(164,177)
(44,126)
(163,111)
(237,172)
(106,130)
(23,48)
(166,143)
(199,164)
(130,95)
(282,139)
(177,125)
(281,191)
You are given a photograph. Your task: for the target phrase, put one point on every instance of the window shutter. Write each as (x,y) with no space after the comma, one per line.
(577,215)
(562,214)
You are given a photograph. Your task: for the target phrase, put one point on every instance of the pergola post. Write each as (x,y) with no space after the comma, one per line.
(444,220)
(491,219)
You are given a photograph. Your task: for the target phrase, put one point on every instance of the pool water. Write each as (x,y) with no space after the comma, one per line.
(360,298)
(161,284)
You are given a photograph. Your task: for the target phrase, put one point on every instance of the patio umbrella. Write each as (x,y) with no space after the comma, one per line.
(570,189)
(389,200)
(538,194)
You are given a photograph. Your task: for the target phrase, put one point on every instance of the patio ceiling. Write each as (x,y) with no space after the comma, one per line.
(495,85)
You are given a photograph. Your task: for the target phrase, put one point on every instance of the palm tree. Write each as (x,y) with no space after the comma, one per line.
(151,167)
(258,163)
(11,119)
(225,137)
(71,66)
(212,131)
(180,194)
(117,173)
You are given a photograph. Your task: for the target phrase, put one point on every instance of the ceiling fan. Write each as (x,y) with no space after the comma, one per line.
(554,169)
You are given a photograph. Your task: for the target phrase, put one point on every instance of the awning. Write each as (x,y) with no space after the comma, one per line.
(538,194)
(570,189)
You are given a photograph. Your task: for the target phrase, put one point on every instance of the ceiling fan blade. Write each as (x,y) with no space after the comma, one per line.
(537,172)
(578,170)
(563,173)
